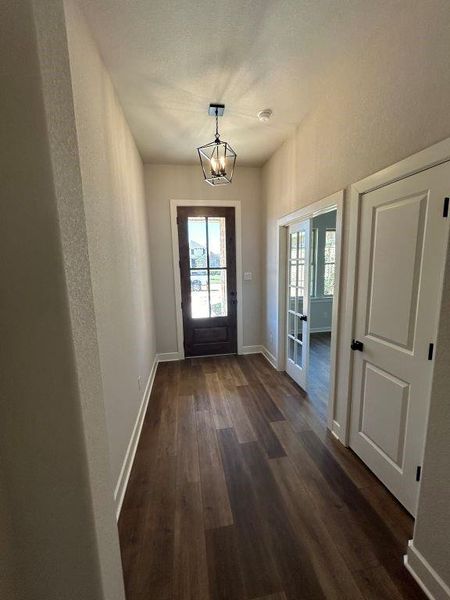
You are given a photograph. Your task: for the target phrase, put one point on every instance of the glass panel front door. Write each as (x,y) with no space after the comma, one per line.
(207,244)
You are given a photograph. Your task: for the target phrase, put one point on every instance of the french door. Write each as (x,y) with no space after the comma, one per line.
(403,239)
(207,244)
(297,333)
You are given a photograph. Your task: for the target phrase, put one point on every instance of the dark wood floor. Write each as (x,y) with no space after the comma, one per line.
(319,372)
(238,492)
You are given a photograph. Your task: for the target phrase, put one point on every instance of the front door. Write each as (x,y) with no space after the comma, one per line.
(297,334)
(207,245)
(403,238)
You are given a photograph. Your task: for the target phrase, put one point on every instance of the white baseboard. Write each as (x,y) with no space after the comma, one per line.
(320,330)
(430,582)
(251,350)
(168,356)
(124,476)
(269,357)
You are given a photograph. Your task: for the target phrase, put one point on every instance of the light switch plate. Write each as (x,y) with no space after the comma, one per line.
(248,276)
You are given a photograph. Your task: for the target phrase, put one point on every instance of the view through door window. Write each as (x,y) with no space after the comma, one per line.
(208,266)
(330,262)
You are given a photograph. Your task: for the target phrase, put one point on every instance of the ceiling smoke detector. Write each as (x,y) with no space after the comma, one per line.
(264,115)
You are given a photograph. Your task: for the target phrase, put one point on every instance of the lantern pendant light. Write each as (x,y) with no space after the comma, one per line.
(217,158)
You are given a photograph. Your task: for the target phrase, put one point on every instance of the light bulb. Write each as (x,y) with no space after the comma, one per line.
(213,165)
(222,165)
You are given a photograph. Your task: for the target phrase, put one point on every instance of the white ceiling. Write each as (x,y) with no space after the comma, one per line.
(170,58)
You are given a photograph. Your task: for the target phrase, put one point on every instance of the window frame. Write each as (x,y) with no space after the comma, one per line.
(208,267)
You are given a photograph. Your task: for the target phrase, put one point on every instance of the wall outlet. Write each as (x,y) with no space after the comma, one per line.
(140,383)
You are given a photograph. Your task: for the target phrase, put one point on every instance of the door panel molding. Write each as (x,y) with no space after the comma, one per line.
(390,423)
(174,204)
(409,213)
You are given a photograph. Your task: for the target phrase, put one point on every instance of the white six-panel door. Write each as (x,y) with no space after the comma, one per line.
(297,334)
(402,247)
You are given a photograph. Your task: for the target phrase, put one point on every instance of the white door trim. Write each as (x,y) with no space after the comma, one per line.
(333,202)
(174,204)
(425,159)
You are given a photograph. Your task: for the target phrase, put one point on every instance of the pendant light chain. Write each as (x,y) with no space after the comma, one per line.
(217,125)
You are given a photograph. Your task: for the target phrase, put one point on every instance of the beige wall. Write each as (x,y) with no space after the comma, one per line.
(54,457)
(116,221)
(166,182)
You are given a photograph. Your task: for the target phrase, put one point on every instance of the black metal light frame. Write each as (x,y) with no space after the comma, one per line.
(217,158)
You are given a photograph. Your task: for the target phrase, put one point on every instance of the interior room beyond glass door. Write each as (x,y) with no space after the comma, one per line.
(297,335)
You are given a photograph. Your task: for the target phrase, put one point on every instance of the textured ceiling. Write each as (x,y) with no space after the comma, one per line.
(170,58)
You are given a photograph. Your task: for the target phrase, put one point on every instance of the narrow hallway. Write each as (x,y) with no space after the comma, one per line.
(238,492)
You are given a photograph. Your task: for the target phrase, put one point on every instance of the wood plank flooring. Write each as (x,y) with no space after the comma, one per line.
(319,371)
(238,492)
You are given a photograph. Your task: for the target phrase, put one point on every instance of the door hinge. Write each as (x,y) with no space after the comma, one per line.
(182,306)
(446,202)
(430,351)
(418,472)
(179,264)
(178,220)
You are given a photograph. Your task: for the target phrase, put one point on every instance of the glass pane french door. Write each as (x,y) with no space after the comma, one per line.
(297,306)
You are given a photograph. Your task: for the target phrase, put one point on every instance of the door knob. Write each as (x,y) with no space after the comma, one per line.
(303,318)
(357,345)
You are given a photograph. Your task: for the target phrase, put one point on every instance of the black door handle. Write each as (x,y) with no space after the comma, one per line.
(303,318)
(357,345)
